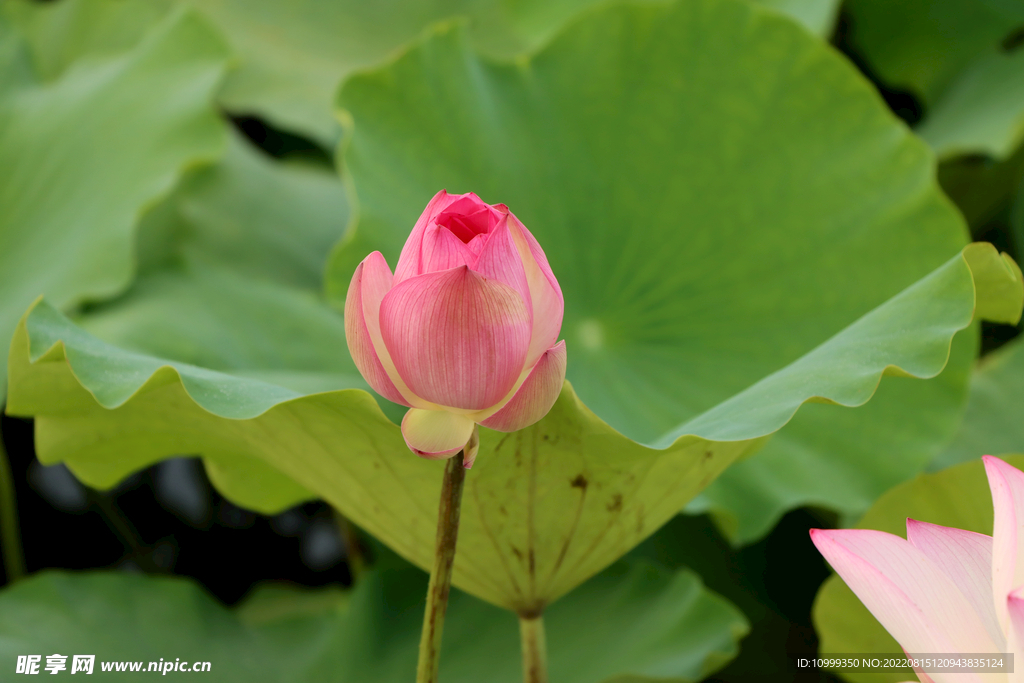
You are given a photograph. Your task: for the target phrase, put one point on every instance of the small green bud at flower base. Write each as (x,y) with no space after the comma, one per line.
(464,332)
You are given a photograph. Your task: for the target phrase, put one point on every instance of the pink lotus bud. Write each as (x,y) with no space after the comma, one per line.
(464,331)
(943,590)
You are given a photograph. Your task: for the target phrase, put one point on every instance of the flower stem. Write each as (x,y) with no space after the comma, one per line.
(441,573)
(10,534)
(535,650)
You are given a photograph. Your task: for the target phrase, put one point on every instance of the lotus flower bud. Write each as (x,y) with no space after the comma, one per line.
(464,331)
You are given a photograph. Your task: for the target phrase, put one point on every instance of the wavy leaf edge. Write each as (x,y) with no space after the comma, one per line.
(998,296)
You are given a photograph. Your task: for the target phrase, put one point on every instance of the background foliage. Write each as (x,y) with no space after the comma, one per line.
(758,212)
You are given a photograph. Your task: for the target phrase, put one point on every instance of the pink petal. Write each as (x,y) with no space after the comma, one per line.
(912,597)
(441,250)
(547,302)
(536,396)
(463,213)
(966,558)
(410,261)
(1015,632)
(457,339)
(1007,484)
(369,283)
(436,434)
(472,449)
(500,260)
(468,217)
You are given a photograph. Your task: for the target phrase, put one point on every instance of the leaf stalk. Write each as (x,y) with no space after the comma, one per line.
(441,573)
(535,649)
(10,532)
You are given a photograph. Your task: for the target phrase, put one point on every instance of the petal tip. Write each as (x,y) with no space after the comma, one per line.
(815,534)
(442,455)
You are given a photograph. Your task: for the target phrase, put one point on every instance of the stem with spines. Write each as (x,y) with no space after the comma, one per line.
(441,573)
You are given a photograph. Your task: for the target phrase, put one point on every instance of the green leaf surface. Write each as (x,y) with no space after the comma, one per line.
(699,248)
(238,251)
(959,57)
(633,622)
(230,271)
(294,55)
(982,111)
(819,16)
(791,472)
(994,421)
(587,493)
(611,491)
(925,45)
(736,270)
(956,497)
(748,577)
(58,34)
(86,153)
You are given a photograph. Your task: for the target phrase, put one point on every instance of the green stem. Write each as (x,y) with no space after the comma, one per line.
(535,650)
(10,533)
(441,573)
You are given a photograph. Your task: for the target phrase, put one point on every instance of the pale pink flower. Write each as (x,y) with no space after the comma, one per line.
(464,331)
(944,590)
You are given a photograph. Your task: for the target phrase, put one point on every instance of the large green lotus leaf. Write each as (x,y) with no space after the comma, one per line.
(790,471)
(292,55)
(238,251)
(696,256)
(694,259)
(634,622)
(544,509)
(994,421)
(957,497)
(58,34)
(85,154)
(982,111)
(295,54)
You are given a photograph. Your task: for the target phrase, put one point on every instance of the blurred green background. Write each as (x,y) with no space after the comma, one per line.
(725,190)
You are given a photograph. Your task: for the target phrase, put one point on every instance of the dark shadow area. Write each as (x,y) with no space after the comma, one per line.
(167,519)
(904,104)
(281,144)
